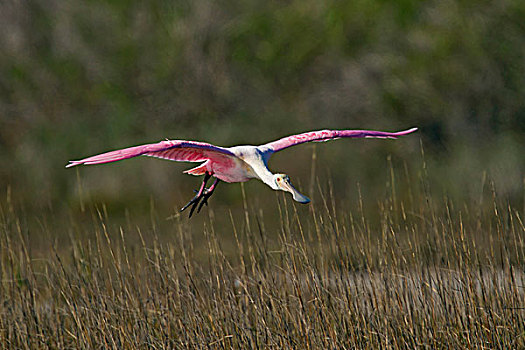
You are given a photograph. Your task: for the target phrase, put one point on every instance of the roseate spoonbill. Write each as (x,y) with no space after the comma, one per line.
(231,164)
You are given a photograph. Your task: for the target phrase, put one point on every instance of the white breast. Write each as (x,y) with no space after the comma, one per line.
(255,161)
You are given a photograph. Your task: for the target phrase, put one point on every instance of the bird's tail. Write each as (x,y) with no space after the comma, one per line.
(199,170)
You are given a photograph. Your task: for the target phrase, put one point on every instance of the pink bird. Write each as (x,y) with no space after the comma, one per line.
(232,164)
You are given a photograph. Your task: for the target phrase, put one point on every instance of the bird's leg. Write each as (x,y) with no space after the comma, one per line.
(207,194)
(195,200)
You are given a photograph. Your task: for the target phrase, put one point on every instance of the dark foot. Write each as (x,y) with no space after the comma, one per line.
(202,195)
(195,200)
(207,194)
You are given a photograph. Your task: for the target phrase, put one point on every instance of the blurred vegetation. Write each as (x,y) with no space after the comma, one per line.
(82,77)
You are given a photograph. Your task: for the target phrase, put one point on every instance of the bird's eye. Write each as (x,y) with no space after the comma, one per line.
(278,179)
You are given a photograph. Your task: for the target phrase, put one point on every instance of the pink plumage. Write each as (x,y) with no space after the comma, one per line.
(183,151)
(327,135)
(232,164)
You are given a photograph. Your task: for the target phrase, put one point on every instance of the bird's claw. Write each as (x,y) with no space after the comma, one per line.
(204,201)
(195,200)
(198,201)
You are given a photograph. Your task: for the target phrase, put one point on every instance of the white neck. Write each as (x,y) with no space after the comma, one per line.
(266,176)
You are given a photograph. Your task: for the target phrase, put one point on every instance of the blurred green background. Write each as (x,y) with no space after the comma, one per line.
(83,77)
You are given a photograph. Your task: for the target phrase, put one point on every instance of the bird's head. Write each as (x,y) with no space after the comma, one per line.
(282,182)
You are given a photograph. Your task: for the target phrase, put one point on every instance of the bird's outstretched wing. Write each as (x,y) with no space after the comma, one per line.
(327,135)
(177,150)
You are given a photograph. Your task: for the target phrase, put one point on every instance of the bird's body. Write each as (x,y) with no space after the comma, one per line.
(232,164)
(252,164)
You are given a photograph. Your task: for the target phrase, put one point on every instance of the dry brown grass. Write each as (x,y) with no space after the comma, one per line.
(423,274)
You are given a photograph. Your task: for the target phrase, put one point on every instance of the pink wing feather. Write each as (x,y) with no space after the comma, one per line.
(184,151)
(327,135)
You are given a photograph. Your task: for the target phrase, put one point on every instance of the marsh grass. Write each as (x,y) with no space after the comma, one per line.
(418,271)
